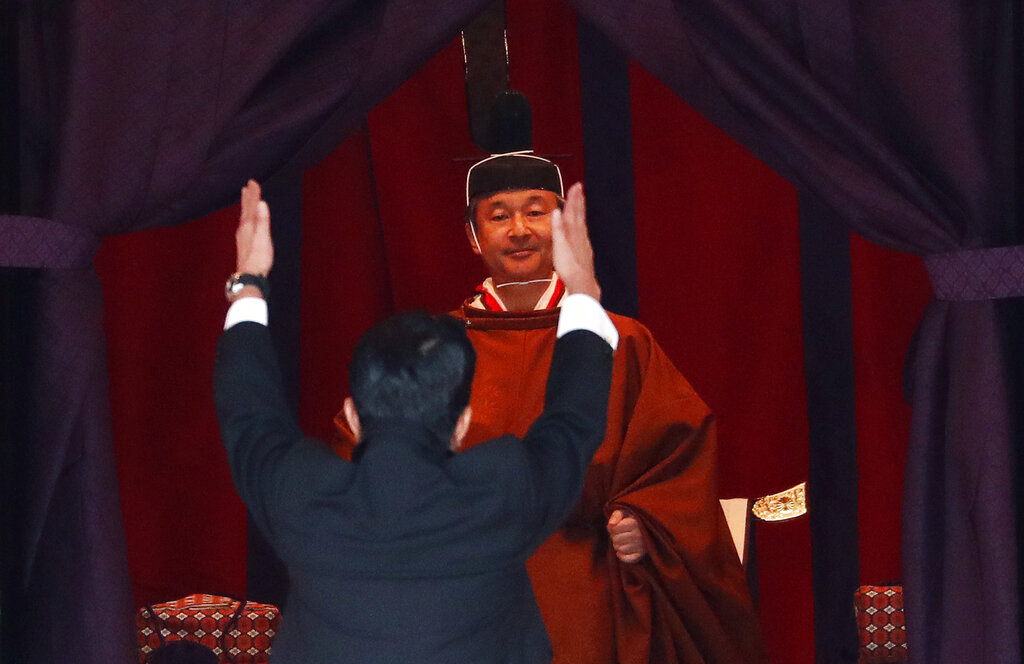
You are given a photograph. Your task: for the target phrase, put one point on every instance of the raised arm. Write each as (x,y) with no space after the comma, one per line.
(257,426)
(564,438)
(254,248)
(575,264)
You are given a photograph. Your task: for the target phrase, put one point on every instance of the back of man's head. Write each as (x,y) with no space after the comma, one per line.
(413,367)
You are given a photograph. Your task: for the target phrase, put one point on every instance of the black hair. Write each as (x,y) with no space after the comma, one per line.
(471,209)
(414,367)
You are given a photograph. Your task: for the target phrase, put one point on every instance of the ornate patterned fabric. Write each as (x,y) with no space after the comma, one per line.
(211,620)
(881,623)
(977,274)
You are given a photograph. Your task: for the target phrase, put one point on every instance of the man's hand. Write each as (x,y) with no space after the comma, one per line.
(570,245)
(627,537)
(255,250)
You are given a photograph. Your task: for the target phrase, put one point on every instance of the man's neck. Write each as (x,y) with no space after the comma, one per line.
(521,296)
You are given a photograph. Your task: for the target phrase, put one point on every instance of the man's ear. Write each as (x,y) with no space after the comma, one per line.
(461,427)
(352,417)
(474,244)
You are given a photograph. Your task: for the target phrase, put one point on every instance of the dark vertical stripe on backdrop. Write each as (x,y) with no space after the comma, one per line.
(827,28)
(266,577)
(9,119)
(608,174)
(18,333)
(832,478)
(16,287)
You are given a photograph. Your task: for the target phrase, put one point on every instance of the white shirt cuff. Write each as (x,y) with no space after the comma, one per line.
(582,312)
(246,310)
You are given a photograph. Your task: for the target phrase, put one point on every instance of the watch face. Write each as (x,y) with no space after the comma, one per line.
(233,286)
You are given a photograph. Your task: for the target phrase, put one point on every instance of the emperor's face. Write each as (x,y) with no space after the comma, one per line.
(513,234)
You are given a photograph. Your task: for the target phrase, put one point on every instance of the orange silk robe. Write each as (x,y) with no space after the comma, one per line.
(687,600)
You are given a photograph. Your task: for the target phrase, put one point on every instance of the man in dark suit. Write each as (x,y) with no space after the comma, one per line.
(411,553)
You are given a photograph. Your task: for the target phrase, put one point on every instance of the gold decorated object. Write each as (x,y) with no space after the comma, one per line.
(781,506)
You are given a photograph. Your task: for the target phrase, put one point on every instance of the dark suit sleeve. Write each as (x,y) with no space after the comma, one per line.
(270,459)
(561,443)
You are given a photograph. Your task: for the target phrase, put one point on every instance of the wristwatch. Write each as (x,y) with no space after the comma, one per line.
(239,280)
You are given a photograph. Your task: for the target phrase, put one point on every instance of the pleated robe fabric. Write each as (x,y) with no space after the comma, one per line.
(687,601)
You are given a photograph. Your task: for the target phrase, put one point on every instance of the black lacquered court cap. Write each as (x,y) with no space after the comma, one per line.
(512,164)
(513,171)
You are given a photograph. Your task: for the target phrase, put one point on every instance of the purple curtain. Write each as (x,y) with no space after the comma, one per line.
(900,118)
(135,115)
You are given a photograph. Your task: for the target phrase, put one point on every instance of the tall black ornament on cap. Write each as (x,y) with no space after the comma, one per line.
(486,67)
(512,164)
(509,124)
(500,119)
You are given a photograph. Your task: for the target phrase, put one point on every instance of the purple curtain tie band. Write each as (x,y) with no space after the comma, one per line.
(977,274)
(43,243)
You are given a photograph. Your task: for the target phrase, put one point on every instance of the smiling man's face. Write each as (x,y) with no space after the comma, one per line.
(513,229)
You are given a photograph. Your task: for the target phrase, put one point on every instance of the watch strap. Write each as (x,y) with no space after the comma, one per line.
(238,280)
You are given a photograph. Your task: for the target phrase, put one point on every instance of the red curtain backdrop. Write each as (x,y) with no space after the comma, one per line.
(882,328)
(184,523)
(719,284)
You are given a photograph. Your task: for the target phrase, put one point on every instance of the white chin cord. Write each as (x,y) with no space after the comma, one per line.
(472,229)
(523,283)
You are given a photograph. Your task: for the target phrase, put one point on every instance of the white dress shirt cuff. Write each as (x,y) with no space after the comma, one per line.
(246,310)
(582,312)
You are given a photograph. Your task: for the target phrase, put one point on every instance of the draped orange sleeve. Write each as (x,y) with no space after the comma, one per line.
(687,600)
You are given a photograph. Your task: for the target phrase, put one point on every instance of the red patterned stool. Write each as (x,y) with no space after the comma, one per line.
(881,623)
(238,632)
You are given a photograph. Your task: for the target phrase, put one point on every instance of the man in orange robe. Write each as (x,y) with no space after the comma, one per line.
(644,570)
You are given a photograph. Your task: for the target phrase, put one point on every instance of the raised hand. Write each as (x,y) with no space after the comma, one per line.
(255,249)
(570,245)
(627,537)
